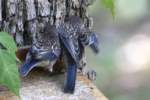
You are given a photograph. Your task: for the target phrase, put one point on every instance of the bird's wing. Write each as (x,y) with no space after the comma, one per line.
(50,56)
(69,38)
(72,46)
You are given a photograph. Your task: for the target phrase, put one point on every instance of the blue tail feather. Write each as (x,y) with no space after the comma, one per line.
(94,44)
(71,78)
(27,67)
(94,48)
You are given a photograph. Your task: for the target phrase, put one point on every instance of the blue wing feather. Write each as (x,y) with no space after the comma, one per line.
(50,56)
(71,48)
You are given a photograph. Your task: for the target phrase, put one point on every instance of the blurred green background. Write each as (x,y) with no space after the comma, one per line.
(123,65)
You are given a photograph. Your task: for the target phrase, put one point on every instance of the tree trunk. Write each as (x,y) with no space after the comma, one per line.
(22,18)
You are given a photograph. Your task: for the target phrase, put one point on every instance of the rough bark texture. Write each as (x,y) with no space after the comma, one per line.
(23,18)
(41,86)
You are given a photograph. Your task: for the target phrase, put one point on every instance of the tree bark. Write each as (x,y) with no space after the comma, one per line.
(23,18)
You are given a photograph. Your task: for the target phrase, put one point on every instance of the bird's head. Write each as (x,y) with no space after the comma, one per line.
(76,23)
(46,42)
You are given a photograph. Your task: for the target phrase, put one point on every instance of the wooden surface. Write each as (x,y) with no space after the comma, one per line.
(40,85)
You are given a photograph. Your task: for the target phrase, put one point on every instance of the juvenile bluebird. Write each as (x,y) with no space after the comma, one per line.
(44,52)
(73,38)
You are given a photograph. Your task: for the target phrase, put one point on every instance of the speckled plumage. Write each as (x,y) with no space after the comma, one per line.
(69,34)
(44,52)
(67,41)
(74,37)
(47,40)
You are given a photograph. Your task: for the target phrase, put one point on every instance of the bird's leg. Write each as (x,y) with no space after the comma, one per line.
(59,66)
(50,66)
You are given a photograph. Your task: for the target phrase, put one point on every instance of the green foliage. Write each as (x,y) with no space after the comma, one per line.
(8,42)
(110,5)
(9,75)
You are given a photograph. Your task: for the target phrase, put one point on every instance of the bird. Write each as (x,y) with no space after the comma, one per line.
(44,51)
(73,40)
(67,41)
(71,49)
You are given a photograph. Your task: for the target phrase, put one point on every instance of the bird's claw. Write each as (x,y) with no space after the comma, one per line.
(89,73)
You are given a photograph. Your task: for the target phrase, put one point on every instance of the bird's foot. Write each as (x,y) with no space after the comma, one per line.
(84,70)
(89,73)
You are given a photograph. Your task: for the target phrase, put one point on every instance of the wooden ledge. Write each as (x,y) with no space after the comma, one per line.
(41,86)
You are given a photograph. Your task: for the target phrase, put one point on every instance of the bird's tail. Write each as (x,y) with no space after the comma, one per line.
(70,78)
(27,67)
(94,43)
(91,40)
